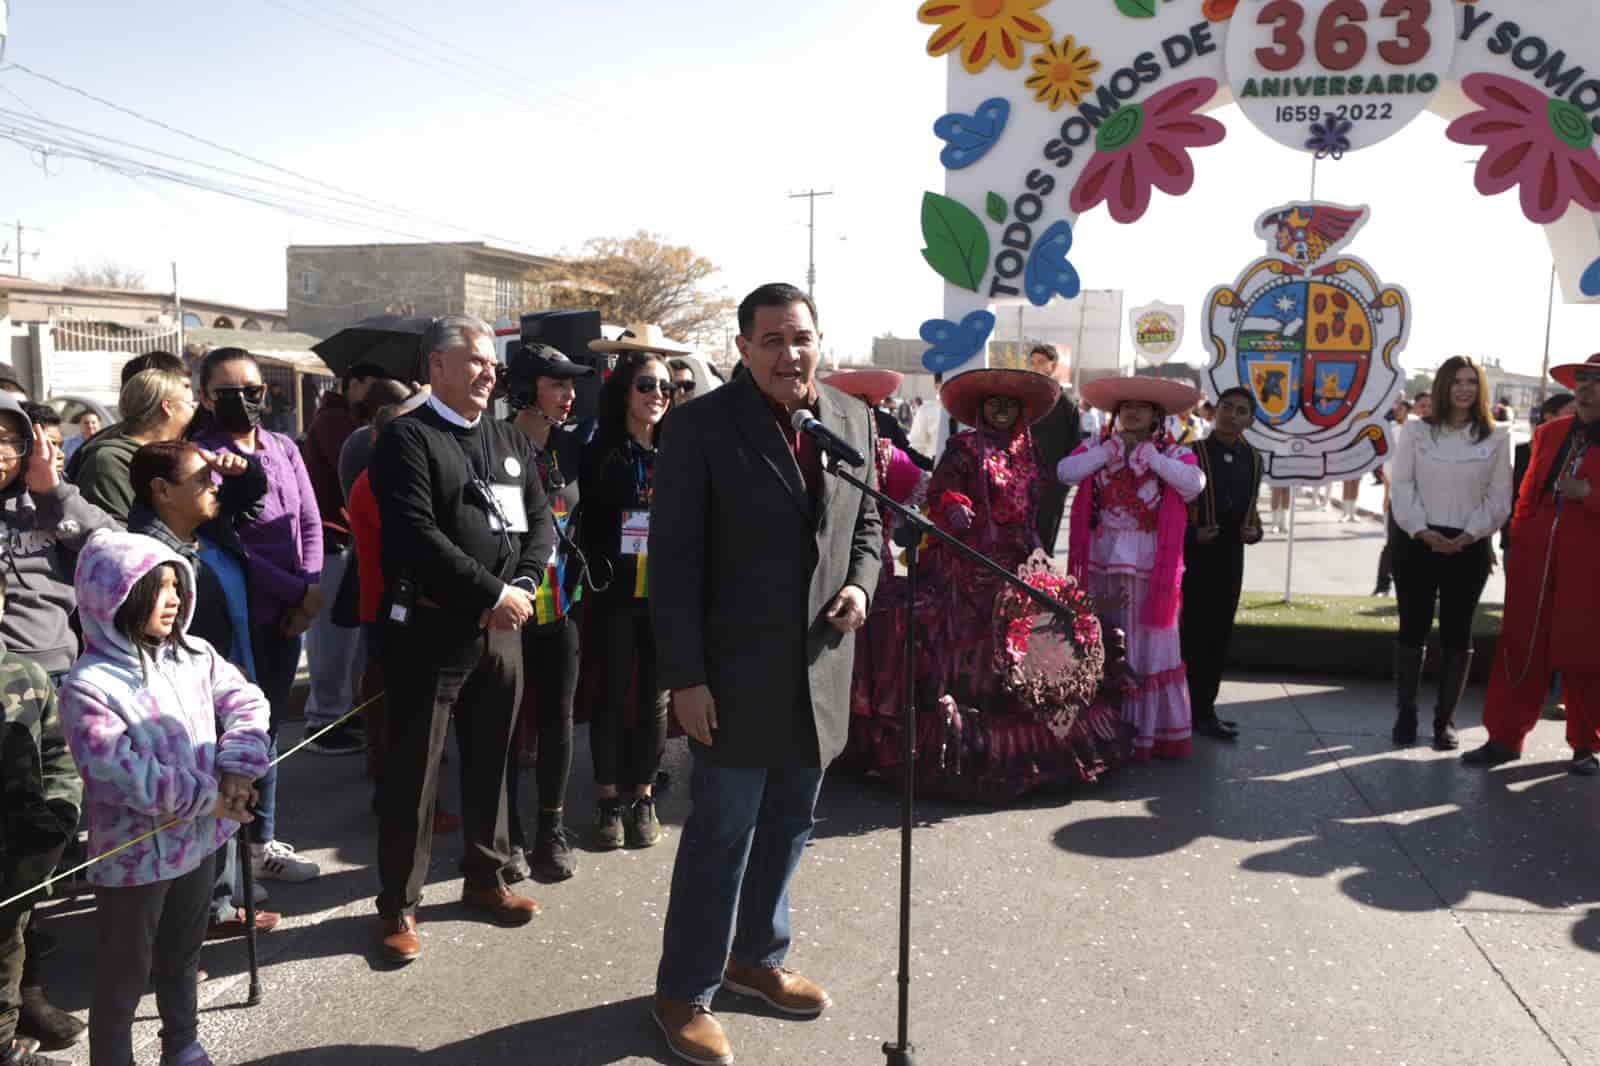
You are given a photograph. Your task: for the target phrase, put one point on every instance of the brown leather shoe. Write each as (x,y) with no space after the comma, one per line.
(782,989)
(401,943)
(503,906)
(693,1033)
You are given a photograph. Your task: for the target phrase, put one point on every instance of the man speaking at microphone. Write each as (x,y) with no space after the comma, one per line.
(766,560)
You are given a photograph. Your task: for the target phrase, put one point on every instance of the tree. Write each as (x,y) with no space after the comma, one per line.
(108,275)
(650,282)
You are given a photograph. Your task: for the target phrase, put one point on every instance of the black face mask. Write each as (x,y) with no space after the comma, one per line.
(235,414)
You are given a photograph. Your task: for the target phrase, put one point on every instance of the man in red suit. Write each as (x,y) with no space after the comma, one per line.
(1553,587)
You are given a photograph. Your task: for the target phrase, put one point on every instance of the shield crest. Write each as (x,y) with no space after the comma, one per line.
(1271,346)
(1339,336)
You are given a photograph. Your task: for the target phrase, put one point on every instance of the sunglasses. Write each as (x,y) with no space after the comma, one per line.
(1587,377)
(645,386)
(253,393)
(686,386)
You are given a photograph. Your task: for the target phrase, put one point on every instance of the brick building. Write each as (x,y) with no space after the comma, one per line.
(331,286)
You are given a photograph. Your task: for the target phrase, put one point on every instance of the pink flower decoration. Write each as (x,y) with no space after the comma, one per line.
(1544,145)
(1144,145)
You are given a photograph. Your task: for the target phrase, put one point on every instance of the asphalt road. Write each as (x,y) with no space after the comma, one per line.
(1308,895)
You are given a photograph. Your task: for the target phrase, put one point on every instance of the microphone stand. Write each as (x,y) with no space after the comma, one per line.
(908,535)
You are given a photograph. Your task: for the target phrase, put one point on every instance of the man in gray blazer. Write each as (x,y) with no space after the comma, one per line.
(760,566)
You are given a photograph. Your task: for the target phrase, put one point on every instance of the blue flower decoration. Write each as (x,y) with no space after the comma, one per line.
(952,344)
(1049,274)
(1330,139)
(1590,282)
(968,138)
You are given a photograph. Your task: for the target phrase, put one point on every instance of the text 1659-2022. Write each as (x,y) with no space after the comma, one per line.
(1352,112)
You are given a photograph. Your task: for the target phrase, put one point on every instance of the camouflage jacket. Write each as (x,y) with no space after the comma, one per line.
(40,791)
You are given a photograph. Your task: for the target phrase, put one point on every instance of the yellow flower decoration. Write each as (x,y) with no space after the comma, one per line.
(1061,73)
(985,30)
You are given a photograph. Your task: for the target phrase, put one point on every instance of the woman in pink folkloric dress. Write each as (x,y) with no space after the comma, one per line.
(1128,522)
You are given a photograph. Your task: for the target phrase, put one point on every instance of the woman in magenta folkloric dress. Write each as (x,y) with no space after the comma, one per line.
(1126,544)
(979,739)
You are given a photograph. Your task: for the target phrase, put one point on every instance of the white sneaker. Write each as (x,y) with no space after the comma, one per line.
(277,860)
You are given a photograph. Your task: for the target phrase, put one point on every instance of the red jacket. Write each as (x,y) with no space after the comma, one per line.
(329,430)
(367,527)
(1573,596)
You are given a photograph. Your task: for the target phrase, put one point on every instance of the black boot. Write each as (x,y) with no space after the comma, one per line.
(1407,680)
(53,1027)
(1453,674)
(552,859)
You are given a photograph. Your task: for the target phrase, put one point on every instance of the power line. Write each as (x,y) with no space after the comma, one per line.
(353,199)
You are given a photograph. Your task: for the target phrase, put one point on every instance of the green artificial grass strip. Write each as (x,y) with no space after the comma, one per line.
(1357,614)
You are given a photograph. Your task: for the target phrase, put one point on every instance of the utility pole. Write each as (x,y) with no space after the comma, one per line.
(1549,325)
(811,255)
(17,261)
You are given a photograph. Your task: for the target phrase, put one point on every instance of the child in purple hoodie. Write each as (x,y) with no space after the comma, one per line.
(141,710)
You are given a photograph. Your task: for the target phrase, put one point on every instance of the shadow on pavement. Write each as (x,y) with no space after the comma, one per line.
(594,1036)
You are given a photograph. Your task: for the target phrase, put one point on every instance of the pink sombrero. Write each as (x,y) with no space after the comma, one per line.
(1173,397)
(1567,373)
(964,394)
(870,386)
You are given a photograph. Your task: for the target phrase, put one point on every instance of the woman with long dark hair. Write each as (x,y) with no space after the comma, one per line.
(626,740)
(284,541)
(1450,493)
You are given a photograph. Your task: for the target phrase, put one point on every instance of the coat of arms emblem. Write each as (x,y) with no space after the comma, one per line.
(1316,338)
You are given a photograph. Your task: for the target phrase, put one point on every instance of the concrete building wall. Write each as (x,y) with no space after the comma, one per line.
(331,287)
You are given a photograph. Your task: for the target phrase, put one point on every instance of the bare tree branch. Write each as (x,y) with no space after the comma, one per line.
(651,282)
(108,275)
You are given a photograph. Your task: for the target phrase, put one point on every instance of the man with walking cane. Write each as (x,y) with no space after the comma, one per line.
(755,619)
(1552,587)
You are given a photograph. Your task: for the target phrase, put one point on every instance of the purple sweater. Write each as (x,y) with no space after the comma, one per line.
(285,539)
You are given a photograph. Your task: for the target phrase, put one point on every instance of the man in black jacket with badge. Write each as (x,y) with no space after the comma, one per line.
(467,534)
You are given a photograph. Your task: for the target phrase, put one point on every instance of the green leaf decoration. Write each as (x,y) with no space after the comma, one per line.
(957,241)
(998,210)
(1137,9)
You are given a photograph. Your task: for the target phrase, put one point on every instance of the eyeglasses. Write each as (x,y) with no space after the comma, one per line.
(686,387)
(645,386)
(12,447)
(253,393)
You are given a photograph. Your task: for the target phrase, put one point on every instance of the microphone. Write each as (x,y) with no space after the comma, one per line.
(804,421)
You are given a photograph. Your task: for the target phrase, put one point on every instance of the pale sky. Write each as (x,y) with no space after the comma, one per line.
(545,124)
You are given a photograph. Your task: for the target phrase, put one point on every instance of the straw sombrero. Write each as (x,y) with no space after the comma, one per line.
(870,386)
(640,337)
(1567,373)
(1173,397)
(964,394)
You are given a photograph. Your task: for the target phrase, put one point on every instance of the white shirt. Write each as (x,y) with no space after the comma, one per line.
(449,414)
(1443,477)
(924,435)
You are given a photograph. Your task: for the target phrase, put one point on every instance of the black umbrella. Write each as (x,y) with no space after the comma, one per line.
(389,342)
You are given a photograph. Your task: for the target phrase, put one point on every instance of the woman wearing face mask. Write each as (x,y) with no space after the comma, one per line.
(627,741)
(1128,524)
(284,541)
(156,405)
(541,390)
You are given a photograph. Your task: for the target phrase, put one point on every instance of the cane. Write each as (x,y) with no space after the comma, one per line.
(253,996)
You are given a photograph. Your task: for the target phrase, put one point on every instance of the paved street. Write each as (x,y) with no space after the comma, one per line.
(1332,557)
(1307,896)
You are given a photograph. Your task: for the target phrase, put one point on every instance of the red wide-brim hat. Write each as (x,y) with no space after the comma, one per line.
(964,394)
(1567,373)
(1173,397)
(870,386)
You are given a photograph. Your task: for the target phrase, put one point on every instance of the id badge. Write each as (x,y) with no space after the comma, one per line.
(635,532)
(509,497)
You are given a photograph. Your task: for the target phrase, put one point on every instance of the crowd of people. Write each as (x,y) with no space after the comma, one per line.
(678,559)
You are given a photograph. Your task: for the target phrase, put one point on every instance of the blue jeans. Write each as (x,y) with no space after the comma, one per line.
(277,661)
(730,884)
(335,655)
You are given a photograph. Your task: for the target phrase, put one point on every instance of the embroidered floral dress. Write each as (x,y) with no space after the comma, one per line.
(1128,523)
(977,739)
